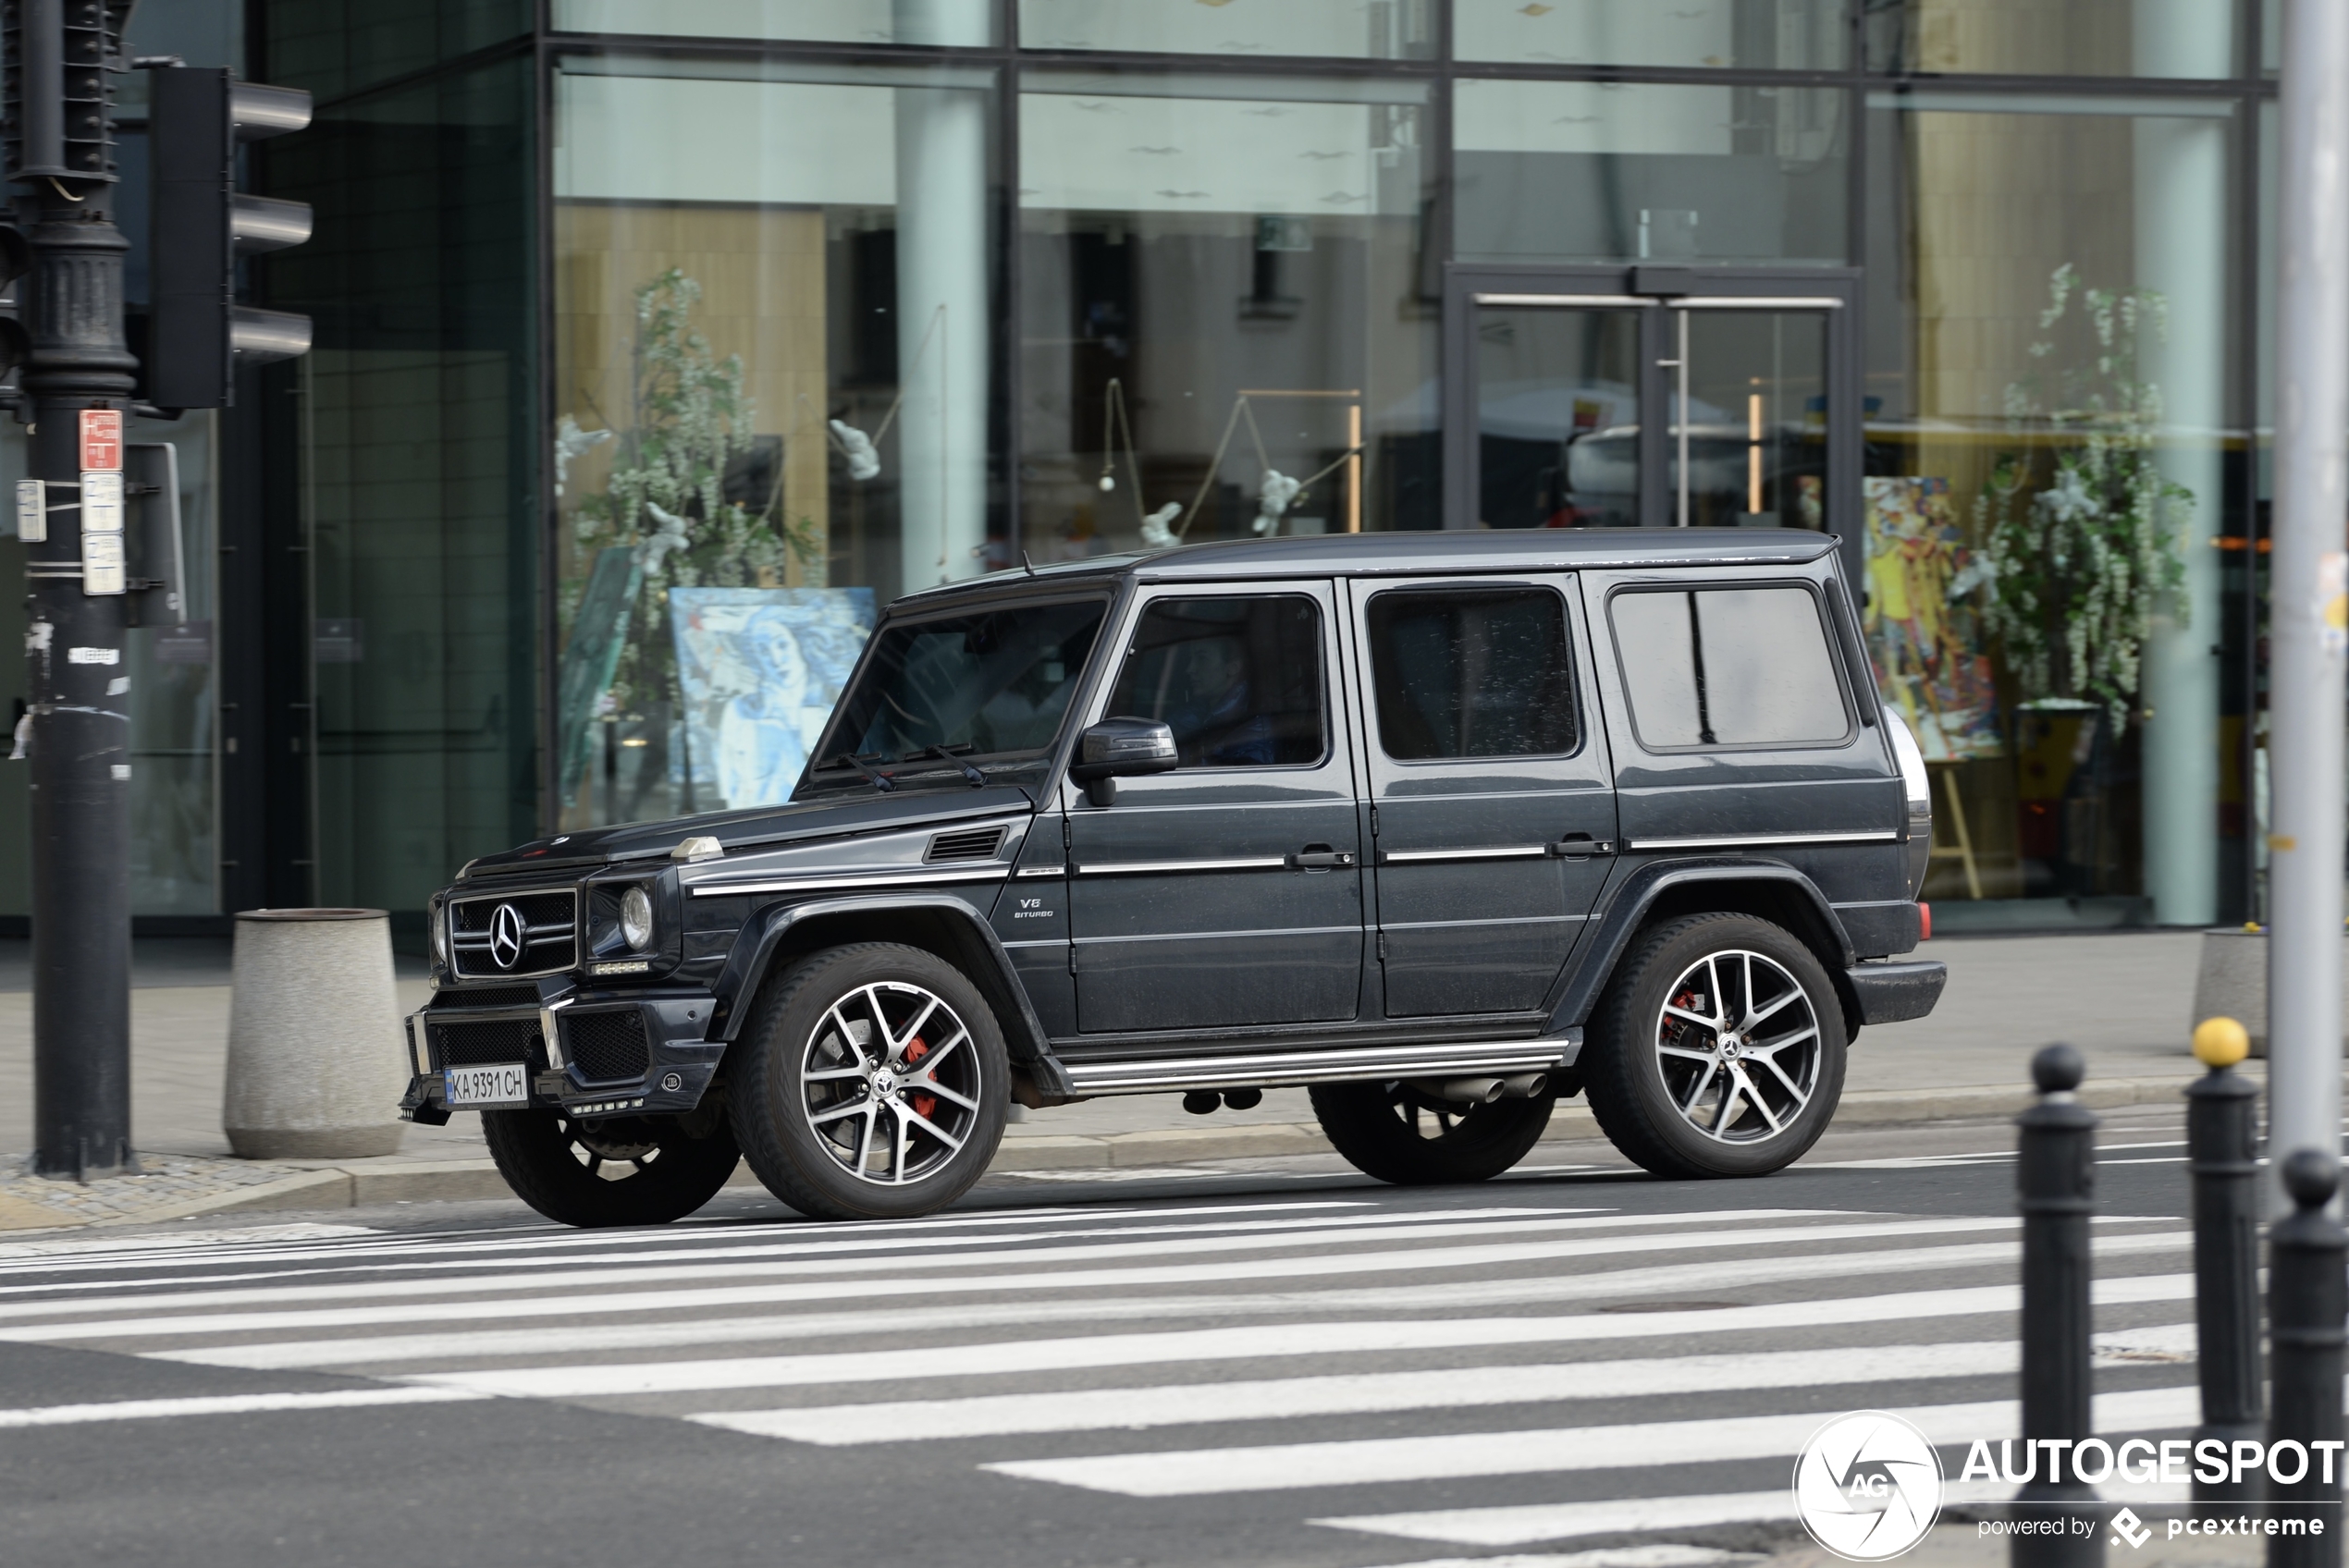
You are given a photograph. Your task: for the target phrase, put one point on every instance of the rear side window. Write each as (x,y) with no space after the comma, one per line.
(1239,680)
(1729,667)
(1471,673)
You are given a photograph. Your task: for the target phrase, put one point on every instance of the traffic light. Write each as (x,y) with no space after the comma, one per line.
(57,53)
(199,334)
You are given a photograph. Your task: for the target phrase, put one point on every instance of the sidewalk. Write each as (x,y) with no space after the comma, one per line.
(2122,999)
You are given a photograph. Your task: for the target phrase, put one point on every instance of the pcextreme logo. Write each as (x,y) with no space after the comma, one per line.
(1867,1486)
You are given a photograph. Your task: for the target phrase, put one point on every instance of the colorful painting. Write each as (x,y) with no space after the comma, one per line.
(760,670)
(1924,628)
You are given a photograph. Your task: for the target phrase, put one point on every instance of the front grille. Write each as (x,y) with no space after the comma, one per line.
(607,1046)
(967,843)
(488,996)
(545,943)
(482,1044)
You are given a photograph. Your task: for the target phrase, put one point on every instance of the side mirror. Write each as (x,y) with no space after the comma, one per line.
(1119,748)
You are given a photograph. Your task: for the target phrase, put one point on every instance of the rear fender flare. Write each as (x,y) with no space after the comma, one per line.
(1769,888)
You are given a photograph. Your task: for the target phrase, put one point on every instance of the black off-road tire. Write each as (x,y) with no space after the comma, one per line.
(790,1026)
(1401,1134)
(1624,1060)
(618,1170)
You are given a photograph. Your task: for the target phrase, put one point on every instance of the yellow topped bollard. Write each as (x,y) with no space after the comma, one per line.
(2220,1042)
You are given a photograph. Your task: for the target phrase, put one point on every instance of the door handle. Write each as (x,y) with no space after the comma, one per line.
(1581,846)
(1320,857)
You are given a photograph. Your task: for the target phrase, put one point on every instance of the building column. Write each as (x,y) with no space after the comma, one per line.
(2181,254)
(943,342)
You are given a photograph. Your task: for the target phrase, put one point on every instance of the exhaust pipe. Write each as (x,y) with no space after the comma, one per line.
(1463,1091)
(1525,1085)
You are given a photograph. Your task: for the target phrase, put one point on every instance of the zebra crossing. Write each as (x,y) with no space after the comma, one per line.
(1407,1368)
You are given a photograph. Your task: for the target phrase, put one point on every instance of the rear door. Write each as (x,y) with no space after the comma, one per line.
(1491,805)
(1227,893)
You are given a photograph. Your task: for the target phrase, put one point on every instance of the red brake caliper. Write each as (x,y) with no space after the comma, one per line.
(925,1106)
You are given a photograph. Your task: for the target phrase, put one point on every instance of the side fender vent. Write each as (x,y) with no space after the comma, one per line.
(966,843)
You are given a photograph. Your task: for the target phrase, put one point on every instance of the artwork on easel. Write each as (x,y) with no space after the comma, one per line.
(1924,629)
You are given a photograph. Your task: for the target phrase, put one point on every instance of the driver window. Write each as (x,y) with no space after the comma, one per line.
(1239,680)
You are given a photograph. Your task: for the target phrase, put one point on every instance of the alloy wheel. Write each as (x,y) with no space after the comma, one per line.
(889,1084)
(1737,1042)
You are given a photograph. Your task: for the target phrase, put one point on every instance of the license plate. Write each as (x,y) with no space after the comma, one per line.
(501,1085)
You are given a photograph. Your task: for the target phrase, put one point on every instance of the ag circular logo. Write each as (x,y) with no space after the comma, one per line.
(1867,1486)
(508,935)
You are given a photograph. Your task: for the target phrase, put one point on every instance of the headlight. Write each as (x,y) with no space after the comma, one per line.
(440,935)
(636,919)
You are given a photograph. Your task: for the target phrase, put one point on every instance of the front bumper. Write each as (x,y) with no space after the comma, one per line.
(586,1055)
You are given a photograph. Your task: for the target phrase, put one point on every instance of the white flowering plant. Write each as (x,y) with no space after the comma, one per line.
(2078,560)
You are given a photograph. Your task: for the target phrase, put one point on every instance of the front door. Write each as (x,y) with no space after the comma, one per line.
(1492,802)
(1227,893)
(1656,396)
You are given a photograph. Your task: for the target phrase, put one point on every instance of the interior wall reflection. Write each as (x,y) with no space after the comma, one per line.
(2047,459)
(1229,312)
(772,408)
(1619,171)
(2039,38)
(1756,34)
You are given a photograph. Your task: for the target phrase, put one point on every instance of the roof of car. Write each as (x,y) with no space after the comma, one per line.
(1461,550)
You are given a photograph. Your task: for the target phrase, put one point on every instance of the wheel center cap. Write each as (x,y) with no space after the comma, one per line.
(884,1081)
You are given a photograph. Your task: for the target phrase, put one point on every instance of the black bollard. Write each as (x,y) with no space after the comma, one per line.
(2056,1178)
(2223,1151)
(2306,1299)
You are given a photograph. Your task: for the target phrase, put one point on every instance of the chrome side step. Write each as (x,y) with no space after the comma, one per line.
(1287,1068)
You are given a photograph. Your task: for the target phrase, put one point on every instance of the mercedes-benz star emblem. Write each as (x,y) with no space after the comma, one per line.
(507,935)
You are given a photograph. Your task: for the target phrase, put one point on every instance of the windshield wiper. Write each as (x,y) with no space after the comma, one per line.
(881,782)
(947,754)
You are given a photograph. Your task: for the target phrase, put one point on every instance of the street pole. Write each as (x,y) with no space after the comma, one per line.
(78,742)
(2308,611)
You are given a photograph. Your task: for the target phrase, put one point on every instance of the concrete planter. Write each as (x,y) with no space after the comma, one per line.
(2232,983)
(315,1062)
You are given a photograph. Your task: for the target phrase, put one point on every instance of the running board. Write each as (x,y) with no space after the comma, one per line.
(1281,1068)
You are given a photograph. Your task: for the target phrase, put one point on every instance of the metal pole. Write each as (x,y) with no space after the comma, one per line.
(2056,1177)
(2223,1152)
(80,741)
(2310,577)
(2305,1301)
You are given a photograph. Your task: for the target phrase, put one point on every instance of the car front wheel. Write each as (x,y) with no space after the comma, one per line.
(1718,1051)
(1401,1132)
(873,1084)
(617,1171)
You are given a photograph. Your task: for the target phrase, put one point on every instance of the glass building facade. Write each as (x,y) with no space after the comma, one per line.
(659,346)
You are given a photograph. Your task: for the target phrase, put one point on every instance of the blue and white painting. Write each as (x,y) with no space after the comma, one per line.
(760,670)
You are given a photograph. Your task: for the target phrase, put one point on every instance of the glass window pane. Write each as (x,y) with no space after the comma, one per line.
(968,23)
(1618,171)
(2052,295)
(1471,673)
(2178,37)
(1757,419)
(1788,35)
(1729,667)
(772,404)
(990,685)
(1557,418)
(1239,680)
(1346,30)
(1230,308)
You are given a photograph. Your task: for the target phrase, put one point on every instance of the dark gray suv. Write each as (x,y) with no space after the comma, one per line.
(1444,825)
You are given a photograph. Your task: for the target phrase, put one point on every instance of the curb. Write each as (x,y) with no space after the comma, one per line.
(330,1186)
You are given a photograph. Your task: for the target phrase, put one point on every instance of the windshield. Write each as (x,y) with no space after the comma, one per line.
(987,684)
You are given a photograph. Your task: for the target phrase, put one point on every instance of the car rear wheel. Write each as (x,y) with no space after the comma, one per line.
(1400,1133)
(618,1170)
(873,1084)
(1718,1050)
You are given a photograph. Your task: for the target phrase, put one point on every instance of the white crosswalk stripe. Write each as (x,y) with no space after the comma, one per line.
(1362,1357)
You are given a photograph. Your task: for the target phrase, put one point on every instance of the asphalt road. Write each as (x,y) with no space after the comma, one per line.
(1280,1363)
